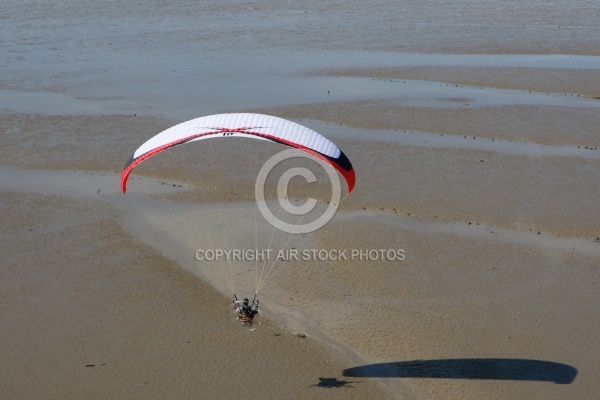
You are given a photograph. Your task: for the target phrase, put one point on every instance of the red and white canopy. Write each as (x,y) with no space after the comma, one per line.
(256,126)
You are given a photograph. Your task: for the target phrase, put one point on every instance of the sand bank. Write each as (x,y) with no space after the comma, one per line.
(88,310)
(550,80)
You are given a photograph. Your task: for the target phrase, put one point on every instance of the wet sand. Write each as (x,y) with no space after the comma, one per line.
(479,283)
(483,171)
(89,310)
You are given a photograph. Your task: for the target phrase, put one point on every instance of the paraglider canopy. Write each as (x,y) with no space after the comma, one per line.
(265,128)
(255,126)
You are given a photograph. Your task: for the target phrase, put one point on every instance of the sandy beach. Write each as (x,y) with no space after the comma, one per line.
(474,133)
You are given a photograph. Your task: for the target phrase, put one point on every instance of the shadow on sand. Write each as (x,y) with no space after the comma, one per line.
(331,383)
(470,368)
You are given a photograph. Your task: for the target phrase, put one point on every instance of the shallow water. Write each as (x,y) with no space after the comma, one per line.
(189,58)
(175,99)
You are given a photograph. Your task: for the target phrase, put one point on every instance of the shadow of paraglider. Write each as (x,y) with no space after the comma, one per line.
(331,383)
(470,368)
